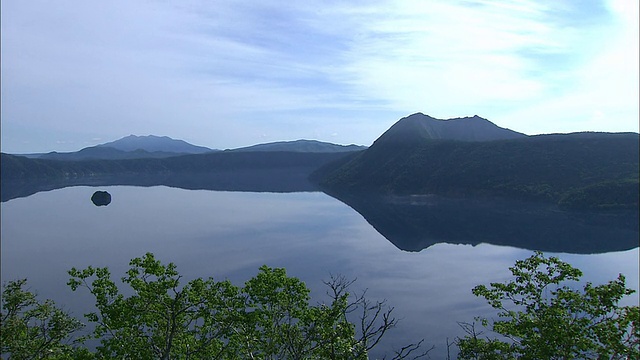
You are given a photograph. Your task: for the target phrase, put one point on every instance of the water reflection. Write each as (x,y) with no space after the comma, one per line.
(282,179)
(230,234)
(416,222)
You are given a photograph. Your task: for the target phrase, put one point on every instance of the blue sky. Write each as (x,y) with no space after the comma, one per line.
(226,74)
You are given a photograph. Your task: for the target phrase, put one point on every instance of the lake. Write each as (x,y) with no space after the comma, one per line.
(229,235)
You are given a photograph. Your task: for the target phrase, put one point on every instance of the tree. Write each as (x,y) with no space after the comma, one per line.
(161,320)
(269,318)
(373,319)
(30,329)
(277,322)
(541,317)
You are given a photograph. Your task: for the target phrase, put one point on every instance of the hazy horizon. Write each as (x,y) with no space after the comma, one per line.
(231,74)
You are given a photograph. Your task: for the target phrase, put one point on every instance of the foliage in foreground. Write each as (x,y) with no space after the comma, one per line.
(269,318)
(33,330)
(541,317)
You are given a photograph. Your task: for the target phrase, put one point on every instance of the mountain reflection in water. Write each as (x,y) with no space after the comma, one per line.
(416,222)
(411,222)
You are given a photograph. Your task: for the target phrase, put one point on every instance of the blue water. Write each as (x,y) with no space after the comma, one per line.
(229,235)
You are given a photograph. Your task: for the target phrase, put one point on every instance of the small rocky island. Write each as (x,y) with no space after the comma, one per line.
(101,198)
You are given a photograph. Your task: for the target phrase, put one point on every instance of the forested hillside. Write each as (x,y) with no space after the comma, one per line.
(18,167)
(580,170)
(228,171)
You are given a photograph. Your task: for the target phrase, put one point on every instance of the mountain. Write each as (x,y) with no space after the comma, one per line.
(129,147)
(152,143)
(419,127)
(420,155)
(148,147)
(301,146)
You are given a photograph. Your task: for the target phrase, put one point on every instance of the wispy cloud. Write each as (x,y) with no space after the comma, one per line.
(222,74)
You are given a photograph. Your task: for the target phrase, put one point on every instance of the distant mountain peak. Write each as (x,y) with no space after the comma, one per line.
(419,127)
(153,143)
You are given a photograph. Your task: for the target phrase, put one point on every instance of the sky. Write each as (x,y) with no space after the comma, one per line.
(233,73)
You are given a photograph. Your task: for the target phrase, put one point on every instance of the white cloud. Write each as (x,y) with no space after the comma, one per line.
(207,71)
(602,91)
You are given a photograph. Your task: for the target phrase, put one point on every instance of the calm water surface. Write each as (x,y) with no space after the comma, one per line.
(229,235)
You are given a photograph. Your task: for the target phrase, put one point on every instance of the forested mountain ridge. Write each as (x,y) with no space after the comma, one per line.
(105,153)
(19,167)
(229,171)
(578,170)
